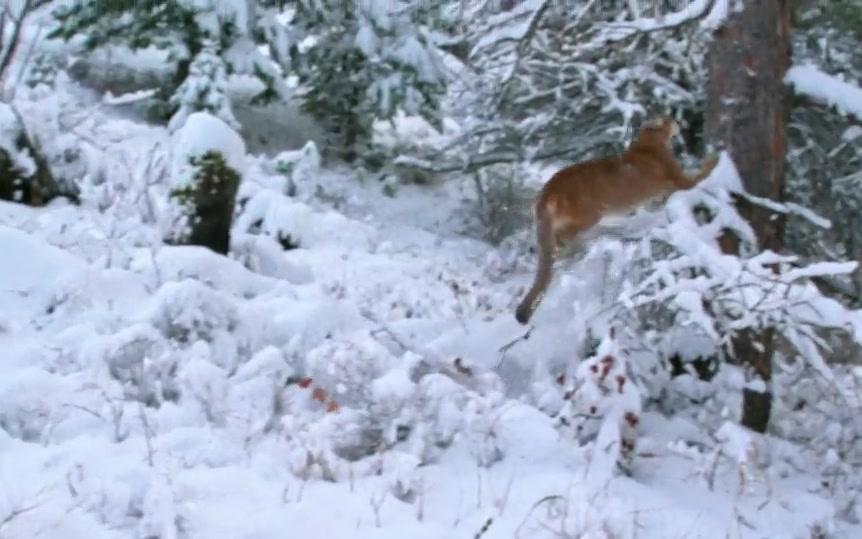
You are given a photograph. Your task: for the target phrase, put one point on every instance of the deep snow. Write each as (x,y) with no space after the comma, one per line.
(162,391)
(377,283)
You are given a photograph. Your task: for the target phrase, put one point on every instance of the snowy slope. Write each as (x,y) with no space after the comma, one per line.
(163,391)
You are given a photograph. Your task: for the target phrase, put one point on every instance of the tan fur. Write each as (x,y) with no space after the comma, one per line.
(577,197)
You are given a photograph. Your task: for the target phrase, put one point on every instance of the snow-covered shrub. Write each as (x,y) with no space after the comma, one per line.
(138,358)
(205,89)
(428,420)
(205,382)
(402,145)
(503,203)
(28,415)
(208,164)
(272,214)
(72,138)
(295,224)
(264,255)
(188,310)
(42,70)
(351,407)
(603,397)
(257,388)
(299,167)
(352,365)
(24,174)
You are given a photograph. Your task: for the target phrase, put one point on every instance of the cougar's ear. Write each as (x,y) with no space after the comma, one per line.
(656,121)
(664,123)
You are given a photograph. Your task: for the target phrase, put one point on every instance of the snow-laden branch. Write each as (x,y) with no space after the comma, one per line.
(624,30)
(500,30)
(719,12)
(824,88)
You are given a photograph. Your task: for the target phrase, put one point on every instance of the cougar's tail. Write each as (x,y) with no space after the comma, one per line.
(545,244)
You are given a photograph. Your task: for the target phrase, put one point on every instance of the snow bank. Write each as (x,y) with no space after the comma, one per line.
(29,263)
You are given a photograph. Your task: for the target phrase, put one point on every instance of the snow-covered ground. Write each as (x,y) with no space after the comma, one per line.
(353,386)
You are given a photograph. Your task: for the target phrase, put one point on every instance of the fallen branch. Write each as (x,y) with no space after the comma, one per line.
(505,348)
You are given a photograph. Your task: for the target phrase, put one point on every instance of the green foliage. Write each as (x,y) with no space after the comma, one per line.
(180,27)
(334,95)
(137,24)
(502,204)
(368,62)
(166,25)
(205,89)
(208,202)
(185,196)
(269,94)
(842,16)
(825,154)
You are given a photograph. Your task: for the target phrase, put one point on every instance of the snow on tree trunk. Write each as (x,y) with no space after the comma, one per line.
(24,173)
(747,114)
(208,164)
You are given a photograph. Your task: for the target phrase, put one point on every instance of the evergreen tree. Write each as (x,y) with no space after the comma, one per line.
(362,61)
(181,27)
(825,156)
(203,90)
(208,166)
(209,202)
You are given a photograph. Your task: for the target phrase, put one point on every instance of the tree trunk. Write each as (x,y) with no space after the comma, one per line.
(747,111)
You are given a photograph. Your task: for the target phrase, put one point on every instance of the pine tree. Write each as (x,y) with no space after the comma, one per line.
(203,90)
(209,202)
(362,61)
(825,156)
(208,156)
(181,27)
